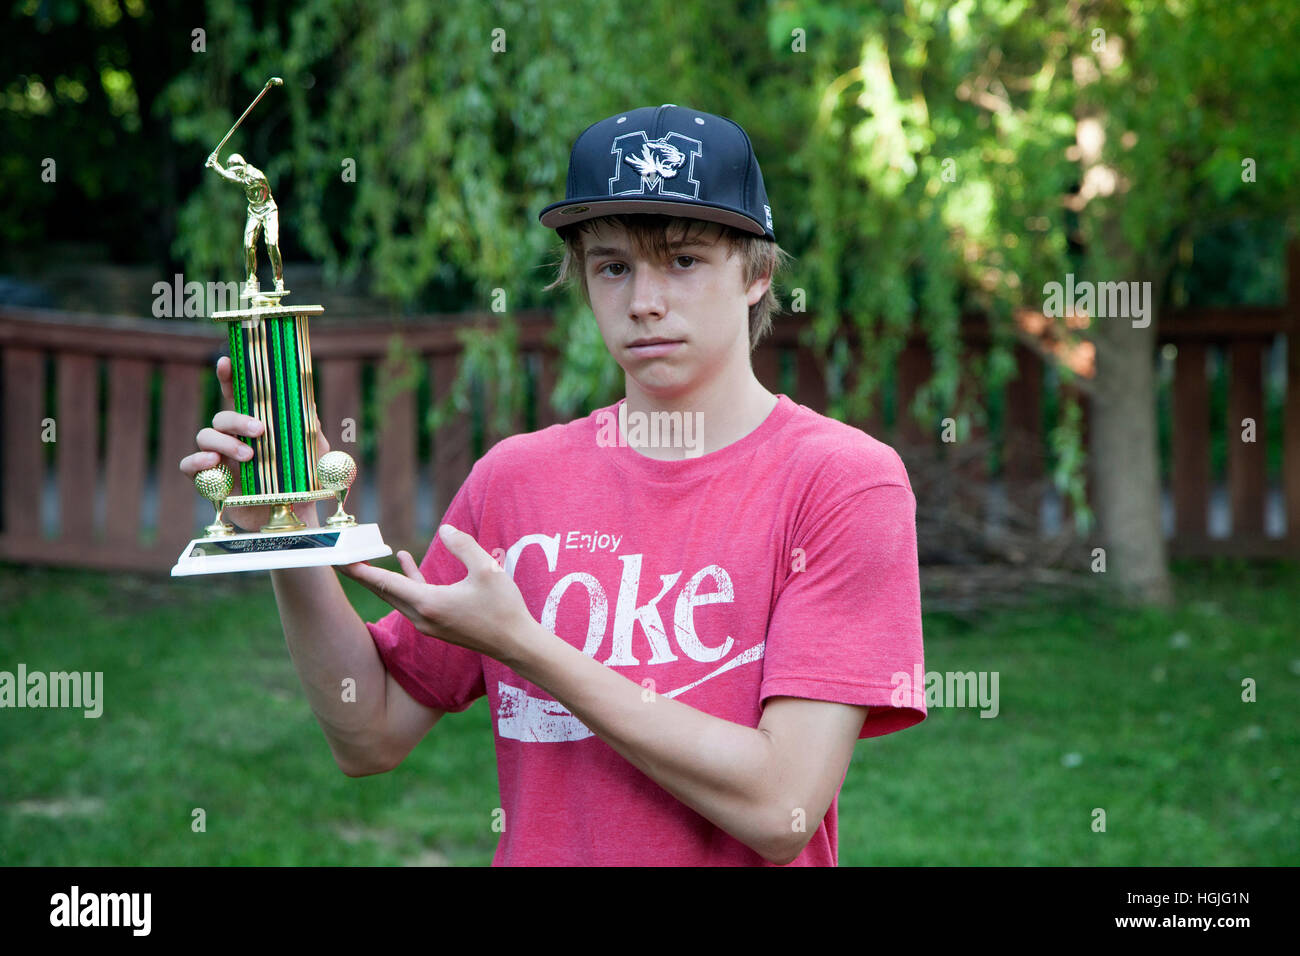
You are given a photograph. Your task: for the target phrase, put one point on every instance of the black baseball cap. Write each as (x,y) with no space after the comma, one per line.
(670,160)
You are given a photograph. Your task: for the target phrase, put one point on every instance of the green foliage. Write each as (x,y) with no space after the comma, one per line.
(921,157)
(916,199)
(458,121)
(488,359)
(943,175)
(1065,440)
(83,154)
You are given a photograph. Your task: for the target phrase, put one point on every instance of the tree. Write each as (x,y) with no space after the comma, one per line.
(1127,128)
(84,154)
(1183,107)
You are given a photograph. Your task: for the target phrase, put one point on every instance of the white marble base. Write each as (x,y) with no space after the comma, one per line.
(309,548)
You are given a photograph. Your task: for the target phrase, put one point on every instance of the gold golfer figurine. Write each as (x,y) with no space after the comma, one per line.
(263,217)
(263,214)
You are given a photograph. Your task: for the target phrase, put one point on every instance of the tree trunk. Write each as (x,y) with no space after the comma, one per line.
(1124,448)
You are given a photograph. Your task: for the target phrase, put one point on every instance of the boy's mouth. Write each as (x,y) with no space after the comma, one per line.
(652,347)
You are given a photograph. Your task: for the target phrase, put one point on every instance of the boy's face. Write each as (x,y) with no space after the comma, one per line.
(697,299)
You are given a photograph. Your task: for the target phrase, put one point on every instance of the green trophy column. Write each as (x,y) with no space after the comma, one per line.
(267,359)
(240,385)
(287,405)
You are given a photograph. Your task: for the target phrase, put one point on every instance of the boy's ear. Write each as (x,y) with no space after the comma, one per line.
(758,288)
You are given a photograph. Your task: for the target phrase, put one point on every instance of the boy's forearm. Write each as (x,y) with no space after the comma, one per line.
(722,770)
(328,642)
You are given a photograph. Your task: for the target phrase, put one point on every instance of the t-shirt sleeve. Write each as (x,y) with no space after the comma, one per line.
(435,673)
(847,623)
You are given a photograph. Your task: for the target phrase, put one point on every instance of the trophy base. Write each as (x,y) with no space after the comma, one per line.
(310,548)
(259,298)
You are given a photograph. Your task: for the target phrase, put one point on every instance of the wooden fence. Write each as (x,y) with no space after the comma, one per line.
(121,502)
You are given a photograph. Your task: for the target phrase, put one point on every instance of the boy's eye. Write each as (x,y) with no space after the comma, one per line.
(690,261)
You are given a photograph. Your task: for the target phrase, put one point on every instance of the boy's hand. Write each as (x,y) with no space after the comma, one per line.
(485,612)
(221,444)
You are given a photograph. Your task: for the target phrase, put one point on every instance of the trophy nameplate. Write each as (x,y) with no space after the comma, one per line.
(270,357)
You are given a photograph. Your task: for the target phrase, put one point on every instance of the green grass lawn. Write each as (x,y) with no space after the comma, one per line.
(1138,713)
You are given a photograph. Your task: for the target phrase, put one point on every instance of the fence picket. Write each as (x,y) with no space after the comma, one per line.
(1246,471)
(77,449)
(24,452)
(1190,436)
(126,432)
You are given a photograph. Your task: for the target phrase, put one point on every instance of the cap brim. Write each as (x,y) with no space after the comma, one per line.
(576,210)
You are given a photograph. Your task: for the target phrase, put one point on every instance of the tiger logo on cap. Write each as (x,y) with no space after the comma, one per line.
(658,159)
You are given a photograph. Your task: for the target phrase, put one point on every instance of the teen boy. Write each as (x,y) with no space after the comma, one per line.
(679,645)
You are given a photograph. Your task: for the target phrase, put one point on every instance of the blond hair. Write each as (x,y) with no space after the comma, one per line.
(649,233)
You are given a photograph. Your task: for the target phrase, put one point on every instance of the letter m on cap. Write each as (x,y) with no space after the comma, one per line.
(665,166)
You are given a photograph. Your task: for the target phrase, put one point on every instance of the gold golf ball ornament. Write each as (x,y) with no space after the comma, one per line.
(337,471)
(215,485)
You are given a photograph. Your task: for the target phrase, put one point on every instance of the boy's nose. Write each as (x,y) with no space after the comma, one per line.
(647,293)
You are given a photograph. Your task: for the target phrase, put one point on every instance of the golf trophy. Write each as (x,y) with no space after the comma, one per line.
(270,357)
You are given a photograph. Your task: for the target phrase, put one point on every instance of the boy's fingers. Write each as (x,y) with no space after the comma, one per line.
(380,583)
(212,440)
(409,567)
(199,461)
(225,376)
(233,423)
(191,465)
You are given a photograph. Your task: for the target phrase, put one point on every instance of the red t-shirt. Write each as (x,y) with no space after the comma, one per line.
(781,565)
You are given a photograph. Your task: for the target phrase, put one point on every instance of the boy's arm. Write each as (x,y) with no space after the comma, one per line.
(769,787)
(374,728)
(377,725)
